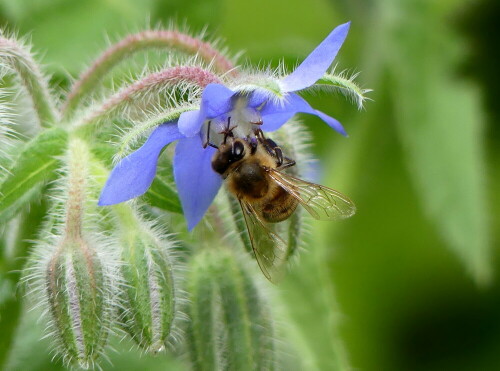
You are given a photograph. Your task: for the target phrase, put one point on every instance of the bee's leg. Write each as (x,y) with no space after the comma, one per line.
(259,134)
(288,162)
(208,143)
(282,161)
(278,153)
(228,132)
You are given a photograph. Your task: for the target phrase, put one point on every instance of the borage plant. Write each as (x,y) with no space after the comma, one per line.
(97,270)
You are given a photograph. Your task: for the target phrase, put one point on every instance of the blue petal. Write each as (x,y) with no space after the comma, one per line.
(216,100)
(333,123)
(292,103)
(275,121)
(275,115)
(316,63)
(190,123)
(133,175)
(196,182)
(258,97)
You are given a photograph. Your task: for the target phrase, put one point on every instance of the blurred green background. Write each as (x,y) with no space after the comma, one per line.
(410,282)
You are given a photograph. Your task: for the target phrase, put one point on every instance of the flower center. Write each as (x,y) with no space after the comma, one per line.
(240,122)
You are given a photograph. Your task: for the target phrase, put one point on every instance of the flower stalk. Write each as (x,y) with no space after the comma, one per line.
(78,279)
(18,58)
(150,85)
(151,39)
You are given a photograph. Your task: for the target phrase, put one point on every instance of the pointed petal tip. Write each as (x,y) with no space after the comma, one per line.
(317,62)
(104,197)
(191,224)
(342,29)
(330,121)
(108,199)
(105,201)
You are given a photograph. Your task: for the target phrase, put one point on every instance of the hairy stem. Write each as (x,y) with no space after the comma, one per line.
(19,59)
(135,43)
(77,184)
(170,76)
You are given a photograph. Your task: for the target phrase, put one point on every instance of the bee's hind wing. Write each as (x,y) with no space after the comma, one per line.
(269,248)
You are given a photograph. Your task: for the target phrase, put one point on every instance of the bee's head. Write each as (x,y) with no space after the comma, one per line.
(228,154)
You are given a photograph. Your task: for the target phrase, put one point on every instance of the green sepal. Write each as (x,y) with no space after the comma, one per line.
(345,85)
(35,165)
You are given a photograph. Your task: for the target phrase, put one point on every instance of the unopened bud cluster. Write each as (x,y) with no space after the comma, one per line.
(230,327)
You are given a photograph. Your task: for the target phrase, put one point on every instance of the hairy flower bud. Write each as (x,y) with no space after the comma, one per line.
(78,301)
(148,296)
(72,271)
(230,326)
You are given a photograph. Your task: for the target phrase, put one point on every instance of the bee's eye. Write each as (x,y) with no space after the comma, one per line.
(238,150)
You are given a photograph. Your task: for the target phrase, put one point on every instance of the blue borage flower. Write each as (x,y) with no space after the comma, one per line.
(269,107)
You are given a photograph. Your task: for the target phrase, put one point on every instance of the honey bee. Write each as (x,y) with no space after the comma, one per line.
(253,169)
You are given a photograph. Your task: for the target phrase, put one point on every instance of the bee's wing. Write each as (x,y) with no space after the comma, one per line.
(269,248)
(321,202)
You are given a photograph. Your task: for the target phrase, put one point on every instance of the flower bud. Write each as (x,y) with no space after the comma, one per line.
(148,295)
(79,301)
(72,270)
(230,326)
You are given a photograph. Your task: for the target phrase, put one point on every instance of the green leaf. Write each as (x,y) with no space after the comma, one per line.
(163,196)
(441,127)
(35,164)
